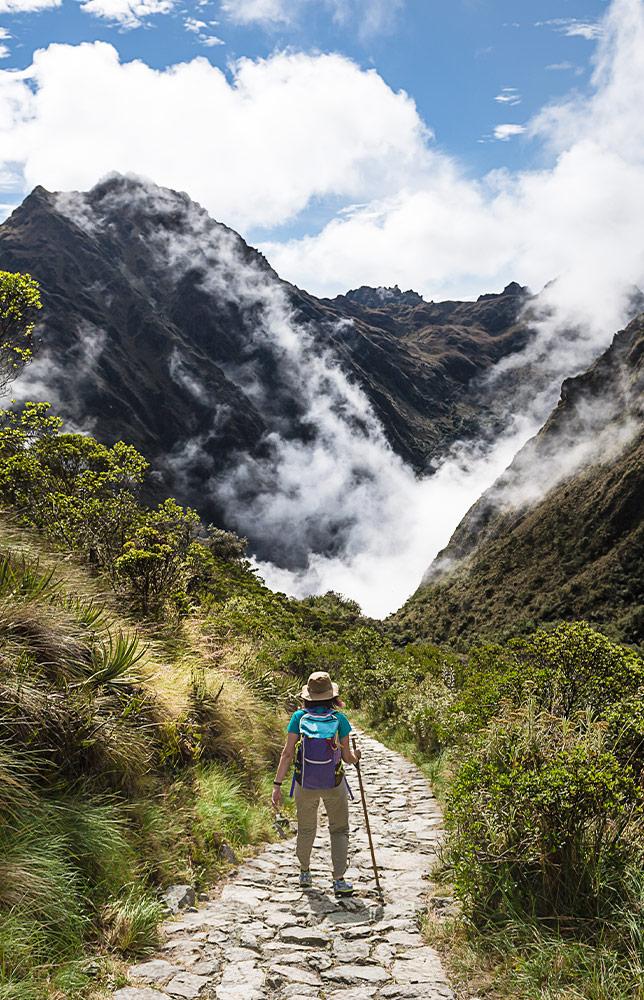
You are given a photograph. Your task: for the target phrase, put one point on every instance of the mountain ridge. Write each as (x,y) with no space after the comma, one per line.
(158,314)
(573,544)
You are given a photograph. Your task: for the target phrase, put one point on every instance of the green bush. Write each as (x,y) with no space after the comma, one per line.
(565,670)
(545,822)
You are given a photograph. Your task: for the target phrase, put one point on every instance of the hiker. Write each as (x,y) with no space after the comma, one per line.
(318,738)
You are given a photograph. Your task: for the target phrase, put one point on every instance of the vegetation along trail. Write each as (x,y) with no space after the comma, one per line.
(264,937)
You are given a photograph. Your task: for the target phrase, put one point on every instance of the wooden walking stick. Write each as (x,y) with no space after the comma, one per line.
(366,820)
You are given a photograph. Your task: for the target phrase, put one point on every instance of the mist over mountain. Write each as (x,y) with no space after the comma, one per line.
(344,437)
(560,534)
(162,327)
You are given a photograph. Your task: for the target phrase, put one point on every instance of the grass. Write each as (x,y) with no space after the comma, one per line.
(523,962)
(127,758)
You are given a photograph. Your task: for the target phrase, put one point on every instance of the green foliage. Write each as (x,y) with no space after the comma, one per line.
(84,496)
(19,304)
(105,796)
(158,556)
(544,819)
(130,922)
(224,812)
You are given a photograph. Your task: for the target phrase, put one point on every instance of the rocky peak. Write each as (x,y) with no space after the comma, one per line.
(376,298)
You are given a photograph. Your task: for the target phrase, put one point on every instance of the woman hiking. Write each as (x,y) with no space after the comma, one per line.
(318,737)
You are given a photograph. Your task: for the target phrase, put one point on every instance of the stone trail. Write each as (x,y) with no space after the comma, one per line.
(263,938)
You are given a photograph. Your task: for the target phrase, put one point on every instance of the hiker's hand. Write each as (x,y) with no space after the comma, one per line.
(357,754)
(276,797)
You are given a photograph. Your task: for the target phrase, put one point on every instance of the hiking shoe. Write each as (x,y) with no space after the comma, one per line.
(342,887)
(305,880)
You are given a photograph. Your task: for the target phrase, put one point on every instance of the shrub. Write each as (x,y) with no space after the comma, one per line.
(19,305)
(566,670)
(545,821)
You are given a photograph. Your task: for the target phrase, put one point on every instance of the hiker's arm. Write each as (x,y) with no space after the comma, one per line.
(288,753)
(286,760)
(348,755)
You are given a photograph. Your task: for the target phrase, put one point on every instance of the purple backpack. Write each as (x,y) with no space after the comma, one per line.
(319,754)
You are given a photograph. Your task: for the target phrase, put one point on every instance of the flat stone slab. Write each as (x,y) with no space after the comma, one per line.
(357,973)
(305,935)
(155,971)
(136,993)
(186,985)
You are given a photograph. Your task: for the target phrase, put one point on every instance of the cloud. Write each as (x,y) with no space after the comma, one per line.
(580,217)
(505,132)
(127,13)
(48,377)
(509,95)
(372,16)
(255,148)
(26,6)
(573,27)
(258,11)
(200,29)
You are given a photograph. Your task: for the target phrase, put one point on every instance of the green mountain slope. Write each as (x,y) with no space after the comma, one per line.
(547,544)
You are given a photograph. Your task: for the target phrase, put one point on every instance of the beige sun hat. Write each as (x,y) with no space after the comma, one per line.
(319,687)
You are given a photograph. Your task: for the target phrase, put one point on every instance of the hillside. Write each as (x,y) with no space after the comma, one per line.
(180,339)
(559,536)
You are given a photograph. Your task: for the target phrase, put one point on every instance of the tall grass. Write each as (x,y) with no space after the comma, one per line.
(107,791)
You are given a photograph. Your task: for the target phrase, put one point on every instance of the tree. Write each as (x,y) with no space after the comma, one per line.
(19,304)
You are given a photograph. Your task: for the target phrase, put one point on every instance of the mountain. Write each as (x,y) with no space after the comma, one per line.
(559,535)
(180,338)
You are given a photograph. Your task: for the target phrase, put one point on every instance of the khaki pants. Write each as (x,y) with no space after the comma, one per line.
(336,804)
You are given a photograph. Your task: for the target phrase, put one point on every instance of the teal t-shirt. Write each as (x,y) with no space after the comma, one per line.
(344,727)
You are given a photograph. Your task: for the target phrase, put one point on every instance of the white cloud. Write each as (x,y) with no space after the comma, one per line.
(26,6)
(255,149)
(508,95)
(505,132)
(200,29)
(126,13)
(4,51)
(372,16)
(261,11)
(573,27)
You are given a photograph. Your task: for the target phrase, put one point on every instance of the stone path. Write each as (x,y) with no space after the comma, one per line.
(262,938)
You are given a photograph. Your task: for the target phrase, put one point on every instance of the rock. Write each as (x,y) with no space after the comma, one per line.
(239,992)
(354,993)
(177,897)
(305,935)
(382,954)
(187,985)
(404,939)
(227,853)
(350,951)
(351,974)
(155,971)
(243,895)
(245,974)
(295,975)
(134,993)
(420,965)
(207,967)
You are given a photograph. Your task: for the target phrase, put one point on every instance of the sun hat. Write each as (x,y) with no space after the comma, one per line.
(319,687)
